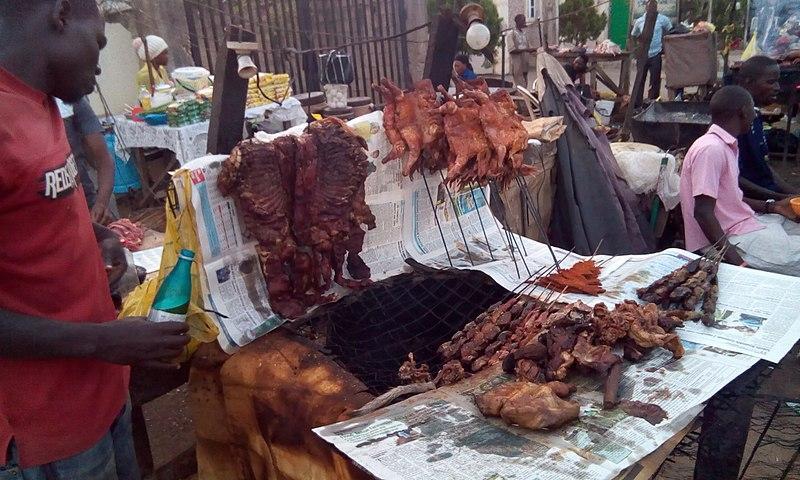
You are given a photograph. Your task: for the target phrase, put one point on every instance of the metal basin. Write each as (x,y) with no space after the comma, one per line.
(671,125)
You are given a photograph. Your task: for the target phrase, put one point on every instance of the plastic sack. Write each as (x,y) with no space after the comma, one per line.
(641,167)
(751,50)
(180,233)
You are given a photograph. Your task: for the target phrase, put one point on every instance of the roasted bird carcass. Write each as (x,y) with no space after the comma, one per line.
(399,146)
(478,85)
(406,118)
(530,405)
(333,184)
(465,136)
(434,143)
(507,136)
(261,177)
(414,125)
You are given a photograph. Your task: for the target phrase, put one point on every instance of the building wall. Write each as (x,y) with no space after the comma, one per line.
(119,65)
(416,14)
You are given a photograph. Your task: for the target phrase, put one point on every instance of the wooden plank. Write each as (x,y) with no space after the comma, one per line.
(230,96)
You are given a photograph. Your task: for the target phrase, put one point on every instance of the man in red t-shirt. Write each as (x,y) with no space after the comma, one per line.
(63,374)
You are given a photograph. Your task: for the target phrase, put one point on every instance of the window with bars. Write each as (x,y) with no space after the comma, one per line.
(531,8)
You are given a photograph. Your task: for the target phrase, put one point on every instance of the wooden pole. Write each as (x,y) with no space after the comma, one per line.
(641,59)
(230,95)
(137,12)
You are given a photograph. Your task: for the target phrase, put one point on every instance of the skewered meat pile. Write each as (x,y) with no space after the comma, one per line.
(478,137)
(542,342)
(303,199)
(682,291)
(583,277)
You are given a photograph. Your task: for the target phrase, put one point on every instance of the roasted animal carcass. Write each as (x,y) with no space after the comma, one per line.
(506,135)
(466,138)
(303,200)
(261,177)
(530,405)
(414,125)
(478,137)
(333,184)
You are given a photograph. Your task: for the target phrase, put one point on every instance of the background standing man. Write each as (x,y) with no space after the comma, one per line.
(520,52)
(85,135)
(655,50)
(63,381)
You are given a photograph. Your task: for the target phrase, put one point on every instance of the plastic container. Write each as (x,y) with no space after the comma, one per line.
(795,204)
(162,96)
(126,177)
(155,119)
(190,80)
(336,95)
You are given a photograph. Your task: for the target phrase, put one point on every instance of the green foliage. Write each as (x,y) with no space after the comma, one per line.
(577,28)
(492,20)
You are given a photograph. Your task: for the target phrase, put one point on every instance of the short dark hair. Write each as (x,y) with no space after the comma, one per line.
(19,8)
(583,57)
(729,100)
(755,67)
(463,58)
(520,15)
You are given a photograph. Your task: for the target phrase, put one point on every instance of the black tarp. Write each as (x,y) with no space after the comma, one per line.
(593,206)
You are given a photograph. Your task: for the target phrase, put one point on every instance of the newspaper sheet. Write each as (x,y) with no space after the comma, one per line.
(442,435)
(233,285)
(149,259)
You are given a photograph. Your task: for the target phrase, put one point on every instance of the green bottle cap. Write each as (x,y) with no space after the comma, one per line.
(186,254)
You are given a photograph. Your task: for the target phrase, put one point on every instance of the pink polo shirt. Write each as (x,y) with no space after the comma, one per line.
(711,168)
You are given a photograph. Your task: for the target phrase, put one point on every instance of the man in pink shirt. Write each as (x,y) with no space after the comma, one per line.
(714,206)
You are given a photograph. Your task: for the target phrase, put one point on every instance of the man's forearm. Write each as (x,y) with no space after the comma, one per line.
(758,206)
(23,336)
(102,233)
(102,162)
(752,190)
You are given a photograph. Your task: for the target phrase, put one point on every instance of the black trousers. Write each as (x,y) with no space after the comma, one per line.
(652,68)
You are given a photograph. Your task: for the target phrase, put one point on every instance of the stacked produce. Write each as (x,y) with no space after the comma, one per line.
(188,112)
(302,198)
(542,342)
(276,87)
(478,137)
(583,277)
(682,291)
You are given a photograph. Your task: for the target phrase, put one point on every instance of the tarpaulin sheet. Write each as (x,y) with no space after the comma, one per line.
(594,209)
(690,59)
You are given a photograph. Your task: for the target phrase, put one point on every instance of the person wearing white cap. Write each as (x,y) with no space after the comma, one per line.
(158,51)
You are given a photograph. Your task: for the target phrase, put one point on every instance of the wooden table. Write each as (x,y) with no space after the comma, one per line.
(596,71)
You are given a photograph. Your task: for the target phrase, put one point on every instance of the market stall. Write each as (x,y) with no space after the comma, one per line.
(596,70)
(418,265)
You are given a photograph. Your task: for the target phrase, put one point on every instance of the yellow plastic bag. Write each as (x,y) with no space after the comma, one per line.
(751,49)
(180,233)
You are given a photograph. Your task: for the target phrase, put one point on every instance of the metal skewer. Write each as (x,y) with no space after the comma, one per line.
(455,212)
(536,218)
(478,211)
(436,217)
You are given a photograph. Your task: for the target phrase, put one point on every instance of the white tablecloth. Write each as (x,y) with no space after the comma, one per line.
(189,142)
